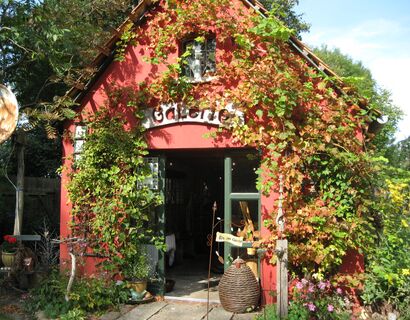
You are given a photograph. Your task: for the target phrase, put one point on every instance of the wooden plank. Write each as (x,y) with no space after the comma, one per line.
(282,278)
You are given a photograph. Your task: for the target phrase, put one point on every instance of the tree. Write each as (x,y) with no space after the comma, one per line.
(45,46)
(286,13)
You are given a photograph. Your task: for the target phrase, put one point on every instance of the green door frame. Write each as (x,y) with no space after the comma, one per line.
(228,197)
(160,214)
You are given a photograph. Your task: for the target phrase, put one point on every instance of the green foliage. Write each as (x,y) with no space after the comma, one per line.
(137,267)
(269,312)
(49,297)
(284,10)
(74,314)
(42,155)
(388,261)
(399,154)
(360,78)
(388,275)
(302,128)
(88,295)
(271,28)
(112,208)
(52,41)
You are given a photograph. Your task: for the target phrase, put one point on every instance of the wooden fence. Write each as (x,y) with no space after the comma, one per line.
(41,205)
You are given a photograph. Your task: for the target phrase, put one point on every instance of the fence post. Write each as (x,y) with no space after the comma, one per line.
(18,222)
(282,278)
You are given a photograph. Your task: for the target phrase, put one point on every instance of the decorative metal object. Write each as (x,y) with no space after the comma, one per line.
(214,207)
(8,113)
(238,289)
(280,218)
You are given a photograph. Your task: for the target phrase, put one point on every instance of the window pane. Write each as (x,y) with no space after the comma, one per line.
(243,174)
(80,132)
(78,146)
(201,58)
(245,219)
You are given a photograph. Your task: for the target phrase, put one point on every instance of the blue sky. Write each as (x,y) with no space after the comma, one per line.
(375,32)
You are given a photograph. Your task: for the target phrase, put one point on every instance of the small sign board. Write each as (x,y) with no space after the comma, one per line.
(226,237)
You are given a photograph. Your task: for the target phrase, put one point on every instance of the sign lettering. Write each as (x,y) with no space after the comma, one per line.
(174,113)
(226,237)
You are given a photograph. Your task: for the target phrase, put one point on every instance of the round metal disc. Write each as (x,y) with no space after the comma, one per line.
(8,113)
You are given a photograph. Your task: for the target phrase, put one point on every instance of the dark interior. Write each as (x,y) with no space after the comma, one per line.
(194,181)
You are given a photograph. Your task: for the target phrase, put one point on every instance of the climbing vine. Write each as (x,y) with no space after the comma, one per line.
(112,207)
(304,127)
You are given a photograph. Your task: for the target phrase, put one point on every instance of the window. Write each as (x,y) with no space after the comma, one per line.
(79,139)
(200,58)
(153,181)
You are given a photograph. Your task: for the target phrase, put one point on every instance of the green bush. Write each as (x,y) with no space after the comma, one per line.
(88,295)
(269,313)
(388,267)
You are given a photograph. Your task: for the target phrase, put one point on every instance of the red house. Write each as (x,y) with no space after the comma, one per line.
(193,171)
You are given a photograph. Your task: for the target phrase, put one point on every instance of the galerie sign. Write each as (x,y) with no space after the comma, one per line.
(176,113)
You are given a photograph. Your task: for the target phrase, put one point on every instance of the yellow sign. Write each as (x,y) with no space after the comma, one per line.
(226,237)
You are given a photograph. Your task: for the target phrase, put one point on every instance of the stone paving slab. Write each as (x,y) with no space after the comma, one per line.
(245,316)
(113,315)
(219,313)
(181,311)
(144,311)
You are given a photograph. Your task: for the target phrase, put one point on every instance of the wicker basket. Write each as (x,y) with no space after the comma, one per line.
(238,289)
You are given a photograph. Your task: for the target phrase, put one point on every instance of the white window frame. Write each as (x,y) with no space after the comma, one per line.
(199,66)
(80,133)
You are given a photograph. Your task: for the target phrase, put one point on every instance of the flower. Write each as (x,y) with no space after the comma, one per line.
(9,244)
(311,288)
(321,285)
(299,285)
(330,308)
(311,306)
(339,291)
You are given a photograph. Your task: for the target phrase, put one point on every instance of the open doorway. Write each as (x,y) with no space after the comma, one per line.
(194,182)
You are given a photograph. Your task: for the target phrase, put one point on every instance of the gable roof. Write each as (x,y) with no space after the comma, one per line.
(106,54)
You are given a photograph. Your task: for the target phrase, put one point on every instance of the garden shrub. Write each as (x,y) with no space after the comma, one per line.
(388,271)
(89,295)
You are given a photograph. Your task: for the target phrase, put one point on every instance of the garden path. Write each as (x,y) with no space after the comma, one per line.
(165,310)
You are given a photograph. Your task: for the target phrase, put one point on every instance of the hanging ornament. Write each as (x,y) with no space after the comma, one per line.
(280,218)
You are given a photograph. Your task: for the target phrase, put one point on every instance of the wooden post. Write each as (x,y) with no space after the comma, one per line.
(18,220)
(282,278)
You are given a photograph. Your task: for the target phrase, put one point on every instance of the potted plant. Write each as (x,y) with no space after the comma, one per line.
(8,250)
(137,270)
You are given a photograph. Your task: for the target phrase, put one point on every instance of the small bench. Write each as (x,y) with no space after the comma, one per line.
(29,237)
